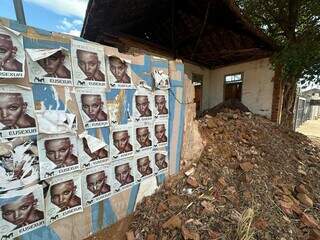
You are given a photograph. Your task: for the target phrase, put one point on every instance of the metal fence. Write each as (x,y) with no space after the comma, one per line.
(303,111)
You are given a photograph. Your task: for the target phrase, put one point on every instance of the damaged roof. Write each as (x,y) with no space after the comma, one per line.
(210,33)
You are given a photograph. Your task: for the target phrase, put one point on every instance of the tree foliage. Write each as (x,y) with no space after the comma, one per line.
(294,27)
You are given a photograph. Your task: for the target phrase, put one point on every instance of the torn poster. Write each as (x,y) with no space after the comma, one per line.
(92,151)
(17,108)
(161,104)
(12,55)
(160,134)
(119,73)
(123,174)
(96,184)
(55,121)
(58,155)
(121,142)
(19,165)
(88,64)
(64,197)
(49,66)
(161,79)
(142,136)
(21,211)
(92,107)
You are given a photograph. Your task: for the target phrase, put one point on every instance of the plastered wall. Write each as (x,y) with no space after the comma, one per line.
(257,85)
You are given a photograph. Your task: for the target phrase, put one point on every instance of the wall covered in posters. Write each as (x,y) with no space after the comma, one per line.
(84,125)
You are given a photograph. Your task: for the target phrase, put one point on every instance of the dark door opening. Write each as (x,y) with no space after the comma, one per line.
(233,87)
(197,80)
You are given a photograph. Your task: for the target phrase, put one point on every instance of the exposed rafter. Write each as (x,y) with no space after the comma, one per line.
(208,32)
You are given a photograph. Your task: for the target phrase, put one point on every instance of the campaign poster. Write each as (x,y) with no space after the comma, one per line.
(123,174)
(142,105)
(144,163)
(96,185)
(142,136)
(92,151)
(121,141)
(92,107)
(49,66)
(160,161)
(22,211)
(64,197)
(17,108)
(19,162)
(160,134)
(161,104)
(56,122)
(12,55)
(58,155)
(119,73)
(88,64)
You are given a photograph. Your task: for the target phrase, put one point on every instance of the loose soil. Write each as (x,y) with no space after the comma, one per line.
(254,180)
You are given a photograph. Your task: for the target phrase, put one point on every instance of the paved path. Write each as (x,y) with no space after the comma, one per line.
(310,128)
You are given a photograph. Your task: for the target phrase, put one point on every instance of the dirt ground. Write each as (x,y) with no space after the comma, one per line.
(254,180)
(311,128)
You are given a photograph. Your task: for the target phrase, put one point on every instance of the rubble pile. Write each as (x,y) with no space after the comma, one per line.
(254,180)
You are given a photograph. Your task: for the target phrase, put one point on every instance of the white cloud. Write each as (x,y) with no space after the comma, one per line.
(77,22)
(64,7)
(74,32)
(71,27)
(66,23)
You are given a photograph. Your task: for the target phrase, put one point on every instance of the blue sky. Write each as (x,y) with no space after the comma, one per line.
(53,15)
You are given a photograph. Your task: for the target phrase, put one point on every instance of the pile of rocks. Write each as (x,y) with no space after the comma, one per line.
(254,180)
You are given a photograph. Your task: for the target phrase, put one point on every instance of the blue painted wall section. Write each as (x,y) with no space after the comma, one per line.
(46,94)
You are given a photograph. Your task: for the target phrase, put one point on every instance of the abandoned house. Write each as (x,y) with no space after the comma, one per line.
(223,53)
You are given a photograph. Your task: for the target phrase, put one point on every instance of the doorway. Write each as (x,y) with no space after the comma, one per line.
(197,80)
(233,86)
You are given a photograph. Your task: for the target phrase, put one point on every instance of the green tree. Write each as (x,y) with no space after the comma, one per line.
(294,27)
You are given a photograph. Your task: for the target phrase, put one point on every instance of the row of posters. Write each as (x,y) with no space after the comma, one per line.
(19,118)
(85,65)
(32,207)
(26,159)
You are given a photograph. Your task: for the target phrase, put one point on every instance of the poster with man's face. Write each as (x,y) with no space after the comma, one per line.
(93,108)
(22,211)
(12,55)
(17,112)
(88,64)
(119,73)
(58,155)
(49,66)
(92,152)
(96,184)
(123,174)
(121,141)
(144,162)
(19,165)
(142,137)
(160,161)
(161,104)
(142,105)
(64,197)
(160,134)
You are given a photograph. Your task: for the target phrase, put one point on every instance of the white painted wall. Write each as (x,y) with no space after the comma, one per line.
(257,87)
(190,68)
